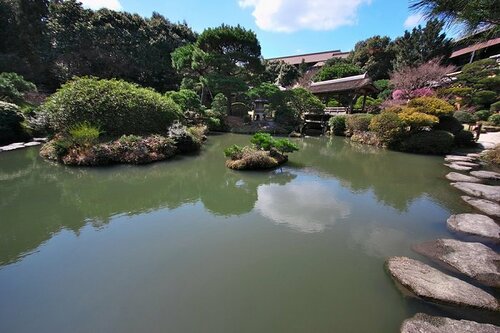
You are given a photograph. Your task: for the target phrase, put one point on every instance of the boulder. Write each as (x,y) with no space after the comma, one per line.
(457,167)
(476,225)
(474,260)
(432,285)
(423,323)
(479,190)
(486,175)
(485,206)
(458,158)
(459,177)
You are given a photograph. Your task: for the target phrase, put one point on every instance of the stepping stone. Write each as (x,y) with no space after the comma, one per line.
(476,225)
(12,146)
(457,167)
(458,158)
(474,155)
(459,177)
(432,285)
(485,206)
(422,322)
(486,175)
(33,143)
(479,190)
(487,145)
(474,260)
(40,139)
(467,164)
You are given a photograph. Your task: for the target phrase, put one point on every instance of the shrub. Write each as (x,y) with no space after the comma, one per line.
(219,104)
(84,134)
(252,159)
(484,97)
(338,125)
(465,117)
(285,146)
(492,156)
(234,152)
(332,102)
(187,100)
(358,122)
(432,105)
(263,141)
(428,142)
(464,139)
(370,103)
(449,124)
(129,139)
(495,107)
(495,119)
(302,101)
(13,86)
(422,92)
(483,114)
(463,92)
(367,138)
(10,123)
(417,120)
(116,106)
(388,127)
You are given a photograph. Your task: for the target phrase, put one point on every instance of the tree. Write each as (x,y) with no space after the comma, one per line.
(470,15)
(375,56)
(280,73)
(421,45)
(337,68)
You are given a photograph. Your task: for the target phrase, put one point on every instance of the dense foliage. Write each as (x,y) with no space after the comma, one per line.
(13,87)
(428,142)
(338,125)
(10,123)
(375,56)
(336,69)
(116,106)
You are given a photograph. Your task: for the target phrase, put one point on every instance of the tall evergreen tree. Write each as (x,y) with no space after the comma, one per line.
(374,55)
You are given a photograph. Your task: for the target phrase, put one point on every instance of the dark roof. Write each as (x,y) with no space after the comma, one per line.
(357,82)
(476,47)
(310,58)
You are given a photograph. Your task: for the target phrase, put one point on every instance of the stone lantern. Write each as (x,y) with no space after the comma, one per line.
(259,111)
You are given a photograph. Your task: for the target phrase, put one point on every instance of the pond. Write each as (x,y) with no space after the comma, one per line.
(190,246)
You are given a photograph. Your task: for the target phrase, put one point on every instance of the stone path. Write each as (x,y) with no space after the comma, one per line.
(486,175)
(20,145)
(476,225)
(423,323)
(474,260)
(488,192)
(488,207)
(460,177)
(458,167)
(432,285)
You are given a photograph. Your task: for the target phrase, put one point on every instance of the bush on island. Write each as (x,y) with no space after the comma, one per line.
(116,106)
(428,142)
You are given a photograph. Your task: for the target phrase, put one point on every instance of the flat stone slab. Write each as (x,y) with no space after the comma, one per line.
(467,164)
(458,158)
(424,323)
(432,285)
(457,167)
(485,206)
(40,139)
(486,175)
(476,225)
(474,155)
(12,146)
(487,145)
(460,177)
(32,143)
(489,192)
(474,260)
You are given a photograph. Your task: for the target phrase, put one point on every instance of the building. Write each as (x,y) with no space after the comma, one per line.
(317,59)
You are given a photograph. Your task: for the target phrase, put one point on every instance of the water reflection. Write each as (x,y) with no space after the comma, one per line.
(303,206)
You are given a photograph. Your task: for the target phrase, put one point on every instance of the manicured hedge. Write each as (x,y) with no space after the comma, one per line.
(115,106)
(428,142)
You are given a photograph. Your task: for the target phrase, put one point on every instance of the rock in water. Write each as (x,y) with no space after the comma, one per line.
(432,285)
(487,207)
(476,225)
(486,175)
(457,167)
(458,177)
(475,260)
(423,323)
(479,190)
(467,164)
(458,158)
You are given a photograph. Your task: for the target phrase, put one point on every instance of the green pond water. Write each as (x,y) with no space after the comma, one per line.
(189,246)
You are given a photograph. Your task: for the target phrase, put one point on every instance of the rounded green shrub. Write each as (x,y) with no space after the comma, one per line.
(358,122)
(187,99)
(495,107)
(495,119)
(464,139)
(432,105)
(219,104)
(465,117)
(84,134)
(13,86)
(285,146)
(482,114)
(428,142)
(484,97)
(115,106)
(10,123)
(388,127)
(263,141)
(448,124)
(338,125)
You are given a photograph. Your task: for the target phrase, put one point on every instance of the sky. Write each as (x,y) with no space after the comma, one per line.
(284,27)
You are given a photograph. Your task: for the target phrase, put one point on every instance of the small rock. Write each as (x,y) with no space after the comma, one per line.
(474,155)
(458,158)
(487,145)
(423,323)
(486,175)
(432,285)
(12,146)
(467,164)
(487,207)
(458,177)
(474,260)
(33,143)
(40,139)
(457,167)
(476,225)
(479,190)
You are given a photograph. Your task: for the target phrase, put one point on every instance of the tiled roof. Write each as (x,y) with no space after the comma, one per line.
(475,47)
(344,84)
(311,58)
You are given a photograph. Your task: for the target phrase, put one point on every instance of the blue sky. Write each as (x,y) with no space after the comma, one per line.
(285,27)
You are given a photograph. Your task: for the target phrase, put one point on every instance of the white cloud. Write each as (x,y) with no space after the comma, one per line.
(293,15)
(98,4)
(413,20)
